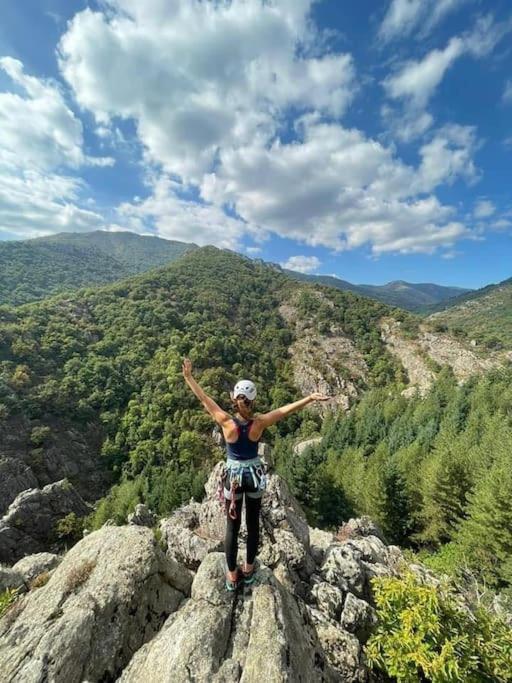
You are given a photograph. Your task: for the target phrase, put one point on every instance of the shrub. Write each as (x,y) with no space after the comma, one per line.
(428,633)
(7,598)
(40,435)
(70,528)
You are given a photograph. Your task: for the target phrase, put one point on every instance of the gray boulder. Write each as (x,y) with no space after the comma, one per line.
(109,596)
(33,565)
(342,568)
(142,516)
(358,617)
(10,578)
(184,539)
(216,637)
(319,542)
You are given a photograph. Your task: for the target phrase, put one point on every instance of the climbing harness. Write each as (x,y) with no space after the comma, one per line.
(231,478)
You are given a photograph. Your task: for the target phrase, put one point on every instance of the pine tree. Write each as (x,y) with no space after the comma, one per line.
(446,482)
(486,536)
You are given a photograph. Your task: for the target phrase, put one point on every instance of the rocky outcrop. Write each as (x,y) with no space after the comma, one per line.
(315,587)
(110,595)
(441,349)
(327,362)
(214,637)
(29,525)
(15,477)
(65,452)
(142,516)
(117,607)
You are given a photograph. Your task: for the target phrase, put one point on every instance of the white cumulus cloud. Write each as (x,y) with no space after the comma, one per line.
(302,264)
(39,137)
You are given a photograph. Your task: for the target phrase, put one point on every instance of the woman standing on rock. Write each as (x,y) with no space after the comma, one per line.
(244,469)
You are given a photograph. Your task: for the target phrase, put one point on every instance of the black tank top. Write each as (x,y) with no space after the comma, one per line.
(243,448)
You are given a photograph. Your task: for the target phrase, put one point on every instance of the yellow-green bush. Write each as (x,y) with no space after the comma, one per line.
(7,598)
(430,633)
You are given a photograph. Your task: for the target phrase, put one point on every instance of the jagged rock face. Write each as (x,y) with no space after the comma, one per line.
(326,580)
(67,453)
(15,477)
(216,637)
(116,606)
(29,525)
(329,363)
(110,595)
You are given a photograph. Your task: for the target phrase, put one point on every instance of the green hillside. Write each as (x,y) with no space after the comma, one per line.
(37,268)
(112,356)
(484,315)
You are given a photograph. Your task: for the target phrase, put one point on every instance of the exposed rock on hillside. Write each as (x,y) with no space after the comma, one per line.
(65,453)
(409,353)
(440,348)
(29,524)
(327,362)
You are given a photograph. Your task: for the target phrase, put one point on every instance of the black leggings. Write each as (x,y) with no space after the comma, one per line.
(252,517)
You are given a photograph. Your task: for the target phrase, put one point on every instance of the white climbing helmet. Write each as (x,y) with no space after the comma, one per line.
(246,388)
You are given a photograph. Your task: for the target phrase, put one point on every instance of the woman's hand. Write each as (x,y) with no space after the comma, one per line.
(317,396)
(187,368)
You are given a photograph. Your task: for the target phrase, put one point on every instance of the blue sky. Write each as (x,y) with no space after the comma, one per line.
(372,141)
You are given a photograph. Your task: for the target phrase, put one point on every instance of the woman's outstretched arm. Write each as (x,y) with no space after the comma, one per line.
(268,419)
(220,416)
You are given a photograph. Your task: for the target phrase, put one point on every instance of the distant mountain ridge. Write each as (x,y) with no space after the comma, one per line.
(33,269)
(411,296)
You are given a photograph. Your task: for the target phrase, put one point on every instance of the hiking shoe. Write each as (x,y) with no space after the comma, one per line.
(249,577)
(233,585)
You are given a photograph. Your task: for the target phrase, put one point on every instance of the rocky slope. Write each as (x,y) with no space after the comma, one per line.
(119,607)
(327,362)
(432,349)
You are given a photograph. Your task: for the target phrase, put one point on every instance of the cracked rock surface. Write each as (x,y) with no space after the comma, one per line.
(118,608)
(111,594)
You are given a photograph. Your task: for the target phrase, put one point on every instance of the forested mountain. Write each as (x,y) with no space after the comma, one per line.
(37,268)
(484,315)
(111,357)
(32,269)
(107,361)
(408,295)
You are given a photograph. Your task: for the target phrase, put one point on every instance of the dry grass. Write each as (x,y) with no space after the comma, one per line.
(343,534)
(79,575)
(40,580)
